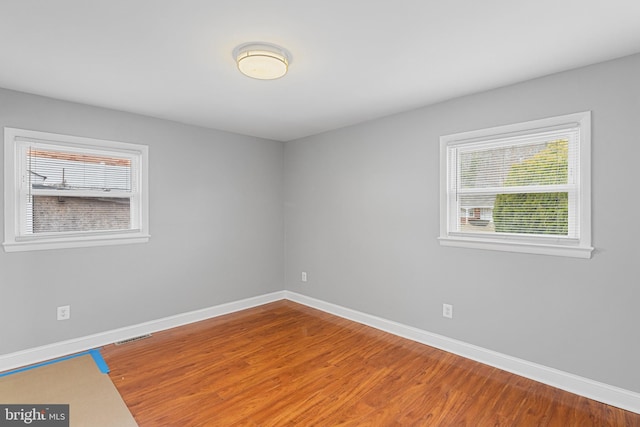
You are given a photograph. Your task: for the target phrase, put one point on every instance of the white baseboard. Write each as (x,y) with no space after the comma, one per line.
(64,348)
(611,395)
(595,390)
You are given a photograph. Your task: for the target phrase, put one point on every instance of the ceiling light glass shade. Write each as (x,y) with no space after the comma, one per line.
(262,61)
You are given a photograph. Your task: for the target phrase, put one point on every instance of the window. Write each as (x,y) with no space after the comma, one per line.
(520,188)
(64,191)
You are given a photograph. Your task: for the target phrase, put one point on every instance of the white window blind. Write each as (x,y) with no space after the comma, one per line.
(518,185)
(69,190)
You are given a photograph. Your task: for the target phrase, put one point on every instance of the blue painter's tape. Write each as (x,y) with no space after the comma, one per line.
(97,357)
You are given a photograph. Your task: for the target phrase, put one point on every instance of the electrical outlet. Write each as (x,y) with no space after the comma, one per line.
(447,311)
(64,312)
(303,276)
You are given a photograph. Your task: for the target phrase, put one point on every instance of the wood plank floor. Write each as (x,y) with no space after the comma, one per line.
(284,364)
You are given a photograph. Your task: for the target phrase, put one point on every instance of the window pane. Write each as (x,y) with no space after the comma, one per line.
(540,163)
(55,169)
(68,214)
(520,213)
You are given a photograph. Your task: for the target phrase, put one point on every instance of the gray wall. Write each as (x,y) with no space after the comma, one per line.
(362,218)
(215,221)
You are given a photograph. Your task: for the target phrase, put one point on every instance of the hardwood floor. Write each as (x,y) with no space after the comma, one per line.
(284,364)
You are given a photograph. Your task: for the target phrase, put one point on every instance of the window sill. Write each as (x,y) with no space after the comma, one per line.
(573,251)
(74,242)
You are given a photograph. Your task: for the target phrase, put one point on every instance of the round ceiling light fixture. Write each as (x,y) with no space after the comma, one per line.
(264,61)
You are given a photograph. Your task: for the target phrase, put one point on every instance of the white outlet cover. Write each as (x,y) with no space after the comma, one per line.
(447,311)
(64,312)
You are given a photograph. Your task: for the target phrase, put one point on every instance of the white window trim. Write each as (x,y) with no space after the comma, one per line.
(13,242)
(579,248)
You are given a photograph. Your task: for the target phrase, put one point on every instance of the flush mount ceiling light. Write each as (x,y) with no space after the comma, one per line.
(264,61)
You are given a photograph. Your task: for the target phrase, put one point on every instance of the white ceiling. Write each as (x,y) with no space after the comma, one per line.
(353,60)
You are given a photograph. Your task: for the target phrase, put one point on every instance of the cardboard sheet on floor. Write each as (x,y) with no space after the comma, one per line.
(78,381)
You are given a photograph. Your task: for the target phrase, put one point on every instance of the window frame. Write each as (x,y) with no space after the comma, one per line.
(14,214)
(579,247)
